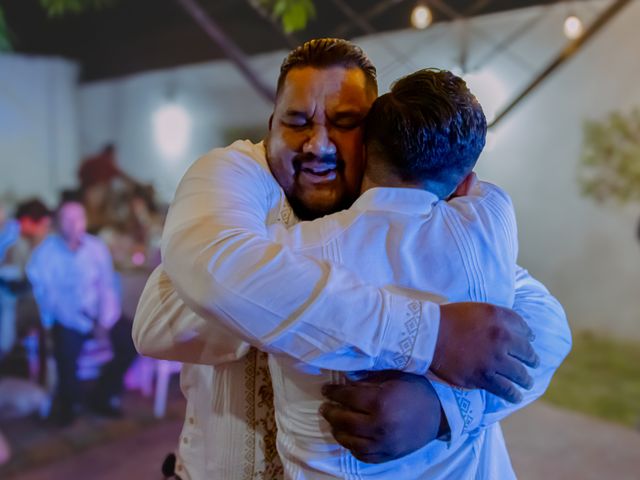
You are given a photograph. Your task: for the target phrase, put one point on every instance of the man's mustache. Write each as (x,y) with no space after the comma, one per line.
(332,161)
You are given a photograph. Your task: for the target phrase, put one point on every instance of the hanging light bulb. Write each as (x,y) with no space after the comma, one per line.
(573,27)
(172,129)
(421,16)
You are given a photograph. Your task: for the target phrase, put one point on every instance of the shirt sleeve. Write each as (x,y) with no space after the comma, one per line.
(9,234)
(109,309)
(469,411)
(219,257)
(164,327)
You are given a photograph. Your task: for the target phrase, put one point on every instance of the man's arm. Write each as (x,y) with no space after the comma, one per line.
(469,410)
(164,327)
(9,234)
(109,309)
(547,319)
(222,263)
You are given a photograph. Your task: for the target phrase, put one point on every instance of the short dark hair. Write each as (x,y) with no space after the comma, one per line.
(329,52)
(33,209)
(428,128)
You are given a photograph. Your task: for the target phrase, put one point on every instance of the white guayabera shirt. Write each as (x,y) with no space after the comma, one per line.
(464,250)
(248,289)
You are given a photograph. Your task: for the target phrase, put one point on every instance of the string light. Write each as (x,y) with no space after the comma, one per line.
(573,27)
(421,16)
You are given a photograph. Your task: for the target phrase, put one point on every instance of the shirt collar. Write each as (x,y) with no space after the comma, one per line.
(401,200)
(63,244)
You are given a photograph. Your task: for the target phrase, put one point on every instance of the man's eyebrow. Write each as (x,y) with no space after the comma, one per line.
(347,114)
(295,113)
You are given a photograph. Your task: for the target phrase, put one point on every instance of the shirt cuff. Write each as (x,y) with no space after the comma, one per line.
(411,334)
(461,407)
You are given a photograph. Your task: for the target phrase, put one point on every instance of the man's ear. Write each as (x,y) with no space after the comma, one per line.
(270,121)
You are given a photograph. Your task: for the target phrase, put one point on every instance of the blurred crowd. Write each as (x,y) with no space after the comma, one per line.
(64,276)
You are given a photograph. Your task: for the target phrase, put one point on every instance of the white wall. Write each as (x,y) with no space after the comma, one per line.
(586,254)
(215,96)
(38,126)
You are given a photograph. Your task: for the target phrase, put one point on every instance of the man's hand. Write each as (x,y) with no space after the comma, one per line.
(101,334)
(484,346)
(383,417)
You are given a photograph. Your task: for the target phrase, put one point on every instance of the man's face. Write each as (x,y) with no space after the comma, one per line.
(72,222)
(314,146)
(35,229)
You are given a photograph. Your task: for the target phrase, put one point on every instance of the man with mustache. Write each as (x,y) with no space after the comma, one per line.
(247,290)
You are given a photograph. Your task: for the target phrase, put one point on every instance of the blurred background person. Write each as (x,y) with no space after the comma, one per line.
(5,451)
(75,286)
(9,231)
(18,239)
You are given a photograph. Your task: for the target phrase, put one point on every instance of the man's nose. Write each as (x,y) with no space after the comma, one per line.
(319,143)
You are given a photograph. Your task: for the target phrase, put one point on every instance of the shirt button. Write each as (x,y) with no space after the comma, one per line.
(192,421)
(185,440)
(179,467)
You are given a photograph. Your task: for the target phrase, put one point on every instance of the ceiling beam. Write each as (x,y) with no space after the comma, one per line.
(477,7)
(567,53)
(352,15)
(228,46)
(290,39)
(454,15)
(510,39)
(369,29)
(378,9)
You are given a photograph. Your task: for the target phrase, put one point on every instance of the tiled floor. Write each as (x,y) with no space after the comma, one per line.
(545,443)
(552,444)
(136,457)
(36,443)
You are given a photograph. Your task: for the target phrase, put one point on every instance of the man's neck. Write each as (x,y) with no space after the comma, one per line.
(390,181)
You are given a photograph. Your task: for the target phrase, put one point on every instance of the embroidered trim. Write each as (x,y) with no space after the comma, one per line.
(262,461)
(464,405)
(408,341)
(265,422)
(250,414)
(285,215)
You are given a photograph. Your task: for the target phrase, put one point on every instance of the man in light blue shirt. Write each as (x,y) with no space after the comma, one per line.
(9,235)
(74,284)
